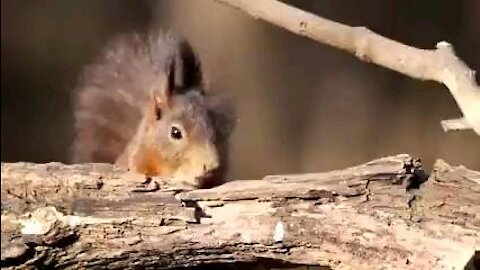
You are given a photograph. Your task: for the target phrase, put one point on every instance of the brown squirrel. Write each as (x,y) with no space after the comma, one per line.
(142,105)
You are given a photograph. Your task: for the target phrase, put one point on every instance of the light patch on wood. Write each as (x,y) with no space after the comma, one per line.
(43,219)
(279,232)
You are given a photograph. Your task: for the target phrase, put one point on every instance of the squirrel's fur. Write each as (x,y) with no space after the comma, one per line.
(131,98)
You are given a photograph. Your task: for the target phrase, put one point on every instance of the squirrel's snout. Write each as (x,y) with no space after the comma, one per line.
(207,161)
(203,159)
(210,166)
(209,176)
(201,167)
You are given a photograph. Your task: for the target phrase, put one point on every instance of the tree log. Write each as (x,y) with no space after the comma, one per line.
(387,213)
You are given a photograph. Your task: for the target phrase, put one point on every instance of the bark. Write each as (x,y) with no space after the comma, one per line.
(382,214)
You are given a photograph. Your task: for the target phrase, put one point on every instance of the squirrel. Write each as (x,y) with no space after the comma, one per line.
(143,105)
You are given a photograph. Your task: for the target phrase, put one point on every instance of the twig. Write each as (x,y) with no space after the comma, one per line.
(440,64)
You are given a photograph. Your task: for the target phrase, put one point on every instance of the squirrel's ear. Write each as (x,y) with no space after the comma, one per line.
(163,90)
(157,104)
(184,69)
(160,96)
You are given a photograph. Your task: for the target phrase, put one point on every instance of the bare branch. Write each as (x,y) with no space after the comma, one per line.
(440,64)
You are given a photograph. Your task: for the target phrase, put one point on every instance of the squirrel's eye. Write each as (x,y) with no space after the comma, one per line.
(176,133)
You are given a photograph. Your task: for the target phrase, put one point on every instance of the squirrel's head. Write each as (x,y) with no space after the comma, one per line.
(184,128)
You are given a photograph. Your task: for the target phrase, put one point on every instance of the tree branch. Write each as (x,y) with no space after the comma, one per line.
(440,64)
(97,216)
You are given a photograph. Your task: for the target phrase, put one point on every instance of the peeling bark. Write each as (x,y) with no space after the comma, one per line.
(378,215)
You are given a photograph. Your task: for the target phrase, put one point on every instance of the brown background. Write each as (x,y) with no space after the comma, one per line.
(302,106)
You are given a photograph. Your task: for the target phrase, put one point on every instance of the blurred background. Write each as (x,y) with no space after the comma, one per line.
(302,106)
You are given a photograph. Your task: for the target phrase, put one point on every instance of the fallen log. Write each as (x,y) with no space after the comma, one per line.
(378,215)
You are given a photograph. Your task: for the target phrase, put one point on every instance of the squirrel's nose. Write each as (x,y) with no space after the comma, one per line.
(210,160)
(205,158)
(210,166)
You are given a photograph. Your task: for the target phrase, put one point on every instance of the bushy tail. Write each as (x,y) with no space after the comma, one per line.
(113,91)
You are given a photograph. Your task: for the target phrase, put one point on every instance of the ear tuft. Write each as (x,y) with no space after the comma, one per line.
(183,68)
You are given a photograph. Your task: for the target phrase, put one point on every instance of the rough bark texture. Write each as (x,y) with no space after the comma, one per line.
(372,216)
